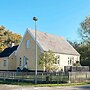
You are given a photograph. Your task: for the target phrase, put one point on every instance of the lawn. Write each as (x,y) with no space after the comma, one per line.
(40,85)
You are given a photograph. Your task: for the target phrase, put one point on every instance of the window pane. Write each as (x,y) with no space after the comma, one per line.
(25,60)
(4,63)
(58,59)
(20,62)
(28,44)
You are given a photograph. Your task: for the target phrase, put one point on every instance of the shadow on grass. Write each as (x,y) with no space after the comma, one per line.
(15,82)
(26,82)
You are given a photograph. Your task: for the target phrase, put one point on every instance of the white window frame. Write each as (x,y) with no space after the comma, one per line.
(25,61)
(58,60)
(70,60)
(5,63)
(28,43)
(20,62)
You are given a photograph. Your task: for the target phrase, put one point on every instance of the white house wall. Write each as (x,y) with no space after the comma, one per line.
(64,58)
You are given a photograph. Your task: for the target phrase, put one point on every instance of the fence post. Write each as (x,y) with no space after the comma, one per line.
(3,75)
(69,76)
(86,76)
(42,76)
(47,77)
(57,73)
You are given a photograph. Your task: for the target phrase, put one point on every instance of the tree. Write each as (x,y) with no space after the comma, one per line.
(85,54)
(85,30)
(77,64)
(84,50)
(84,47)
(48,60)
(75,44)
(7,38)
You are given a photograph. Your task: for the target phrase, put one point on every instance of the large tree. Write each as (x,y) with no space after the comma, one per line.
(7,38)
(84,48)
(85,54)
(85,30)
(48,60)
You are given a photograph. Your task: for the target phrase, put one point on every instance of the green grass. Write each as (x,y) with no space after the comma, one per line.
(40,85)
(67,84)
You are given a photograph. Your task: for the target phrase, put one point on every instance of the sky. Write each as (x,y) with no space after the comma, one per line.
(59,17)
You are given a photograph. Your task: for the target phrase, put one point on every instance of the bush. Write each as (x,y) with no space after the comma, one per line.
(25,70)
(18,69)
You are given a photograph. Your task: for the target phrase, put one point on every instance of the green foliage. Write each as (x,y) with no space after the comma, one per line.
(85,54)
(85,30)
(84,50)
(7,38)
(77,64)
(84,47)
(47,61)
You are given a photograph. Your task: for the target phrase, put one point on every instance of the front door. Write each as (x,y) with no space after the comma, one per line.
(25,62)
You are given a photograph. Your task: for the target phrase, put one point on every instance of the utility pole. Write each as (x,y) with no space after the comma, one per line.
(35,19)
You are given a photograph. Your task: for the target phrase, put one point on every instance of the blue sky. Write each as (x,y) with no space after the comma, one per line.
(59,17)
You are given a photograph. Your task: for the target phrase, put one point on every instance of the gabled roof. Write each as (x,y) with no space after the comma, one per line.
(8,51)
(55,43)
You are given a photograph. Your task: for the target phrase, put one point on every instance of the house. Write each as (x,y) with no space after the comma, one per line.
(25,54)
(8,58)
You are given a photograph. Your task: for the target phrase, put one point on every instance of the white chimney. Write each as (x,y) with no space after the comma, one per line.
(13,44)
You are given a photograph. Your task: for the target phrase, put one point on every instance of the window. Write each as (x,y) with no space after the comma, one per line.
(68,62)
(20,62)
(4,64)
(77,58)
(58,59)
(72,62)
(28,44)
(25,61)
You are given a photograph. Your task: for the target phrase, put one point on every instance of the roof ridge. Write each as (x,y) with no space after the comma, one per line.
(46,33)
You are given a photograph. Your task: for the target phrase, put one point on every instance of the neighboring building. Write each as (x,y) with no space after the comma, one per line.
(26,50)
(8,58)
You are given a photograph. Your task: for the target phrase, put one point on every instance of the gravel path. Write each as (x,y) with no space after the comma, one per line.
(15,87)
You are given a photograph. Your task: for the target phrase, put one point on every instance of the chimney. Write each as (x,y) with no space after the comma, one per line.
(13,44)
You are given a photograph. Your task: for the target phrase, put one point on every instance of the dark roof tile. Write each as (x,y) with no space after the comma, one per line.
(8,51)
